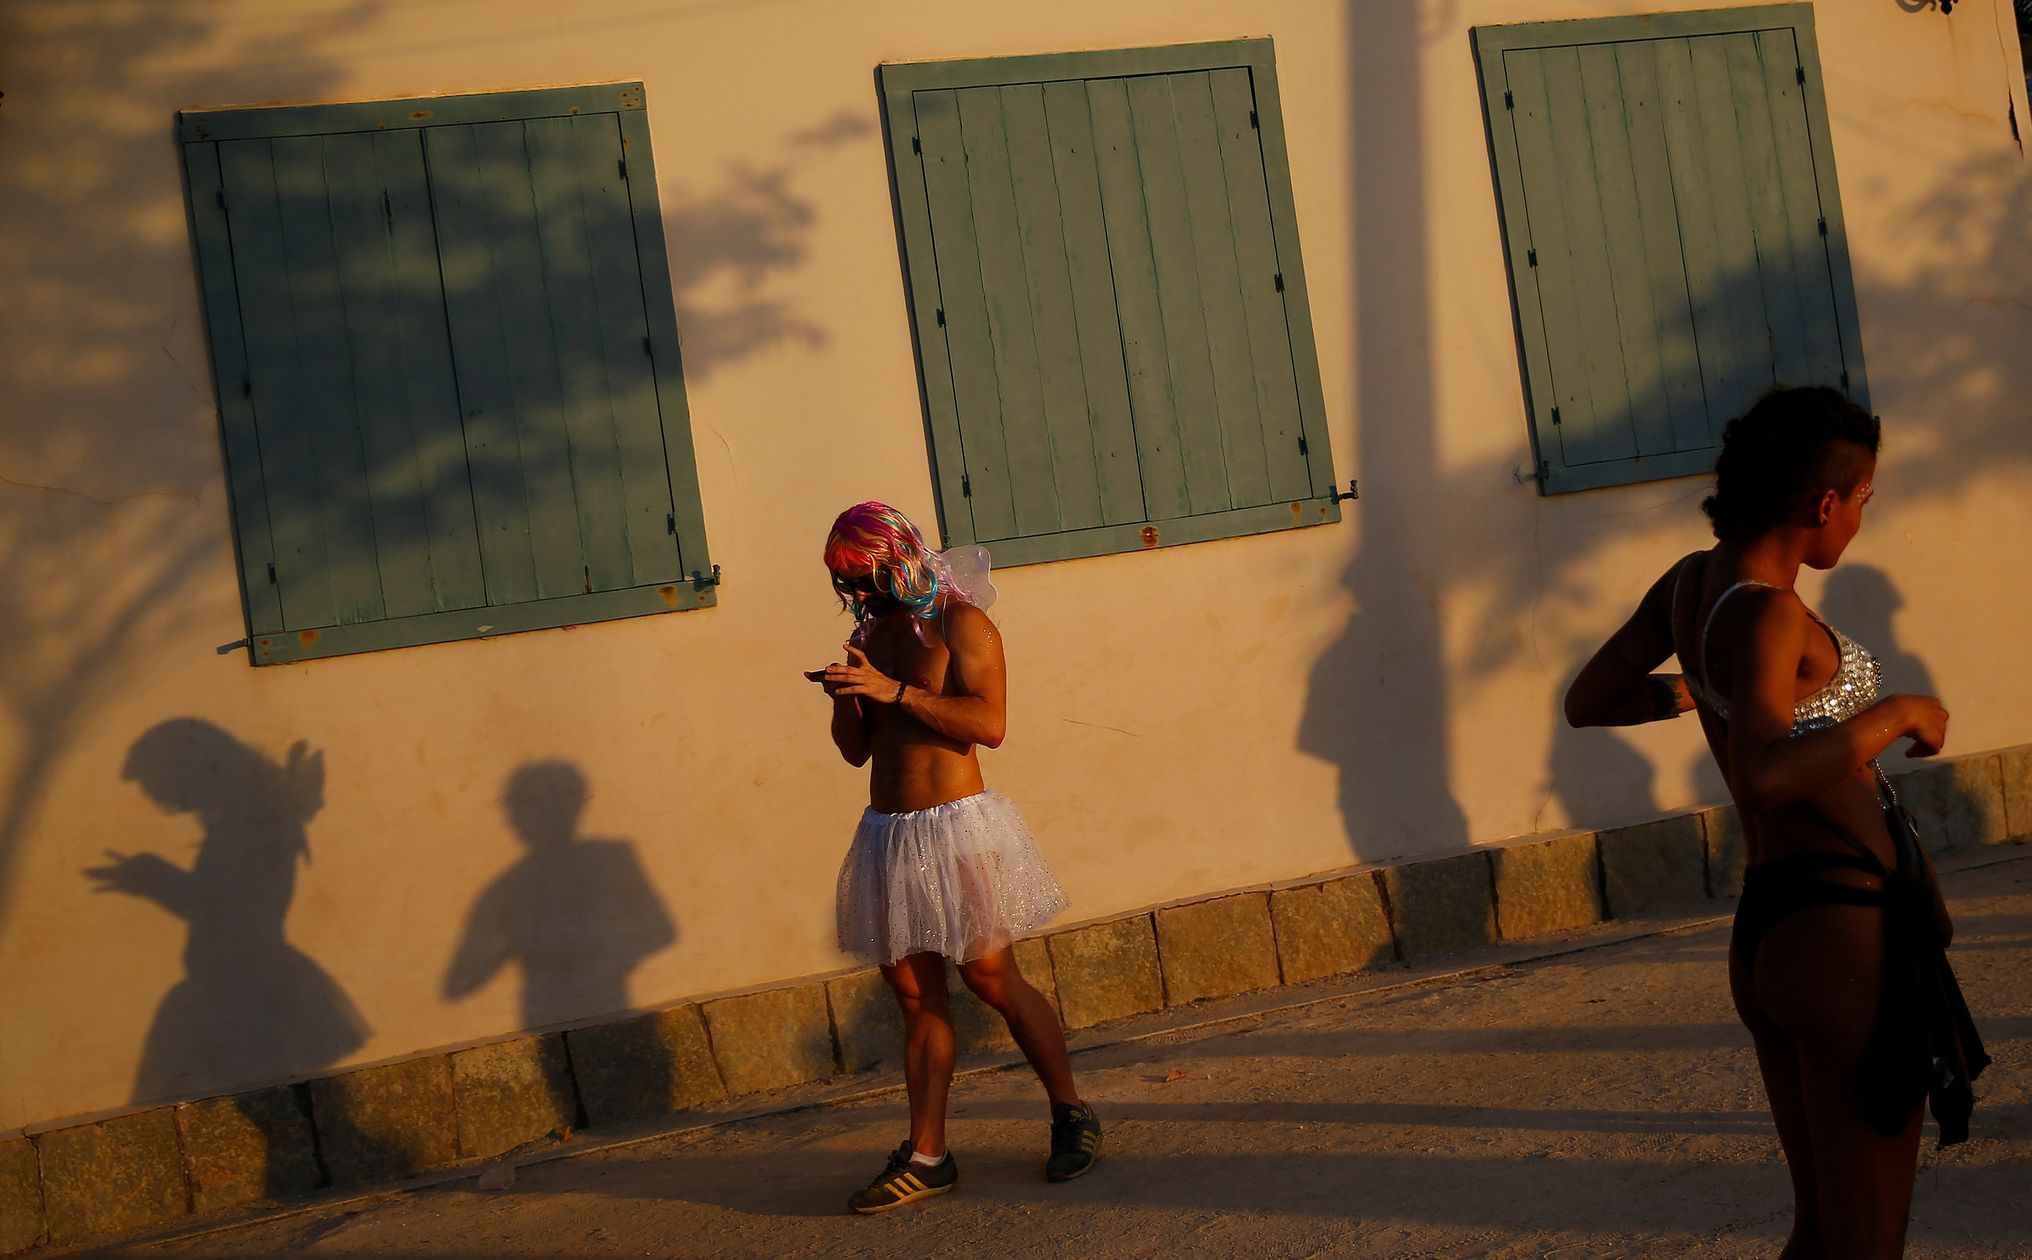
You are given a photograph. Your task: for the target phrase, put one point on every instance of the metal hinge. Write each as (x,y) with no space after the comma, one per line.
(1544,470)
(246,385)
(623,164)
(647,348)
(1252,120)
(700,581)
(1509,101)
(1531,257)
(916,145)
(271,574)
(1280,282)
(966,487)
(1844,380)
(670,522)
(1555,415)
(1799,73)
(941,317)
(1354,492)
(1823,226)
(219,195)
(1301,445)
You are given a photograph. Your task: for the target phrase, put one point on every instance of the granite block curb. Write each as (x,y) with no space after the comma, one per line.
(1653,865)
(1441,906)
(1547,886)
(1216,948)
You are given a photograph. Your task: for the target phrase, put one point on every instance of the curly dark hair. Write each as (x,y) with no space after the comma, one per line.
(1790,442)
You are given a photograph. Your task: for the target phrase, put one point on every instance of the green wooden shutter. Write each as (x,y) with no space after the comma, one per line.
(1109,301)
(447,366)
(1673,229)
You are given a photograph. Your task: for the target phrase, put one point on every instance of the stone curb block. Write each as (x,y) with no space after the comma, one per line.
(1956,804)
(2015,767)
(1652,865)
(121,1174)
(976,1026)
(1106,971)
(21,1220)
(381,1123)
(512,1092)
(1548,886)
(248,1147)
(771,1039)
(1216,948)
(1441,906)
(1331,928)
(867,1026)
(643,1066)
(1721,831)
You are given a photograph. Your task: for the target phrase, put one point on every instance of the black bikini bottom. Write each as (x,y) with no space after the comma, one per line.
(1925,1044)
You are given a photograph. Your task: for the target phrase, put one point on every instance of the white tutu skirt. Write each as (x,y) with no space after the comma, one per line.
(962,879)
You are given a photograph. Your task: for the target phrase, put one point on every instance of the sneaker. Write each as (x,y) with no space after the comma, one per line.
(1075,1142)
(904,1182)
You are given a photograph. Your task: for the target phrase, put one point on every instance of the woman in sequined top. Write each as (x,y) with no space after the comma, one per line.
(1791,711)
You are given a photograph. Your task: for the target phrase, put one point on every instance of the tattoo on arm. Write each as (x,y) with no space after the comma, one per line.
(1667,695)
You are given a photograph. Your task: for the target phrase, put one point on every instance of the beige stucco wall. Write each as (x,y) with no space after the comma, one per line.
(1182,721)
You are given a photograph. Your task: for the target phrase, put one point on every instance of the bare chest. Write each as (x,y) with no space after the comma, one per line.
(914,654)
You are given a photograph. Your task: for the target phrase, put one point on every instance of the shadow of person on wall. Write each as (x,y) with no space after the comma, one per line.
(575,915)
(251,1005)
(1599,777)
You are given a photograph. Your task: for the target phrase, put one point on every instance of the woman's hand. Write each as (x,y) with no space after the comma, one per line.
(1925,721)
(858,678)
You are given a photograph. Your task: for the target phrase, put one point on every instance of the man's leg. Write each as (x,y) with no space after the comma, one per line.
(997,981)
(919,982)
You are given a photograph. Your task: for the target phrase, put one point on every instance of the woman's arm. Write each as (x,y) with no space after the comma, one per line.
(1617,686)
(1766,637)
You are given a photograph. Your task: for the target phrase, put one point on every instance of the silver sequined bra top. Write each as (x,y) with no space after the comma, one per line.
(1857,681)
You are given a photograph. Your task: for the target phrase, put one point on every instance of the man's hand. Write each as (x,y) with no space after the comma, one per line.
(858,678)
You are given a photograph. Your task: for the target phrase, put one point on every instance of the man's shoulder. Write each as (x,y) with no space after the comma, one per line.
(962,618)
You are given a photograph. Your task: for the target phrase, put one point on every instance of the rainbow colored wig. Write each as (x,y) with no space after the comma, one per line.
(874,540)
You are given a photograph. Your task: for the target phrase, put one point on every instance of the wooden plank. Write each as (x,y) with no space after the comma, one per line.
(1664,261)
(1707,177)
(1563,311)
(331,409)
(282,410)
(1214,247)
(1145,354)
(586,400)
(429,378)
(619,332)
(917,76)
(267,122)
(1111,439)
(1005,290)
(928,339)
(687,507)
(1177,531)
(1632,307)
(1776,265)
(529,339)
(480,623)
(1819,333)
(254,545)
(1179,292)
(465,212)
(1265,336)
(969,339)
(1291,263)
(1660,26)
(361,225)
(1054,321)
(1839,276)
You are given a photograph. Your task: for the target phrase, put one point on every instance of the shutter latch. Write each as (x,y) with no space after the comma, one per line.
(1354,492)
(701,581)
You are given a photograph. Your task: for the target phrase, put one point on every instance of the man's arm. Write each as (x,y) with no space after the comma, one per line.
(850,729)
(974,714)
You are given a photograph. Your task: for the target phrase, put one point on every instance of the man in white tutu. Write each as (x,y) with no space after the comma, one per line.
(940,866)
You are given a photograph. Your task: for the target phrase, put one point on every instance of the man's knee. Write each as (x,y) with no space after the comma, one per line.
(995,984)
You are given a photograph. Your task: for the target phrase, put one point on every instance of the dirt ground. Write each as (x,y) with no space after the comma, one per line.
(1592,1104)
